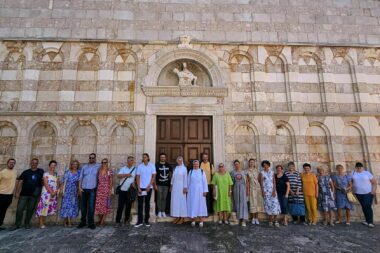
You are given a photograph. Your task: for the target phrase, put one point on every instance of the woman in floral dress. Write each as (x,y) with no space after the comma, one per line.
(103,195)
(48,200)
(268,188)
(240,193)
(69,189)
(255,198)
(326,201)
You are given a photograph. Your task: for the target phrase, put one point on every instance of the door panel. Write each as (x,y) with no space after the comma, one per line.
(186,136)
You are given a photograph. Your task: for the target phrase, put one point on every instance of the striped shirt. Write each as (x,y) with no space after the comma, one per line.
(295,183)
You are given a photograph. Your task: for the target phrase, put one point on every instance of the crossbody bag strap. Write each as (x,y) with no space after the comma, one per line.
(125,179)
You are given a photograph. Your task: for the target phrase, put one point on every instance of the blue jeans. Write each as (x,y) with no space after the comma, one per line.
(88,206)
(365,201)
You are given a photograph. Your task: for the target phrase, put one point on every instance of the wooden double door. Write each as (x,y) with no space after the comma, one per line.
(187,136)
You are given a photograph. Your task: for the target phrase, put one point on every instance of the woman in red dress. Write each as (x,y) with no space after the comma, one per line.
(103,203)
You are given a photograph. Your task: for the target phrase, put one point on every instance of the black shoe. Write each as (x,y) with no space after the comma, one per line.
(147,224)
(138,225)
(81,225)
(1,228)
(92,226)
(27,226)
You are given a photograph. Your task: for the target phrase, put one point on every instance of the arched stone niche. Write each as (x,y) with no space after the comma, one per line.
(162,81)
(167,76)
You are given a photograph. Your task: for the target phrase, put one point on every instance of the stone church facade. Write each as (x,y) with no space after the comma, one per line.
(284,82)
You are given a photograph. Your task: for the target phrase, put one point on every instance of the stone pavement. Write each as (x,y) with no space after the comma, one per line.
(166,237)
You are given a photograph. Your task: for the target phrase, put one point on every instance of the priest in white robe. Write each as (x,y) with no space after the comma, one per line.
(178,204)
(197,192)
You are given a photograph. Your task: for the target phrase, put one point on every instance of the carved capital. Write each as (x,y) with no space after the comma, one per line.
(274,50)
(184,41)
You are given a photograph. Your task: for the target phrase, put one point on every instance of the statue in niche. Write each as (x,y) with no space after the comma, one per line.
(186,78)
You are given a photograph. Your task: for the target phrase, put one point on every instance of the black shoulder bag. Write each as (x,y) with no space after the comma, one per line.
(118,188)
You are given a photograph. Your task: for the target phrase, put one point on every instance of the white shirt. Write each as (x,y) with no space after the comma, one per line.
(129,181)
(362,182)
(146,172)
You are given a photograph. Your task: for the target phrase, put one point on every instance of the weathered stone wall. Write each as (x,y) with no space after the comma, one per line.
(274,21)
(64,100)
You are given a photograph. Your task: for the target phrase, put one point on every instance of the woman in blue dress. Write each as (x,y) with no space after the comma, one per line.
(326,198)
(70,201)
(343,184)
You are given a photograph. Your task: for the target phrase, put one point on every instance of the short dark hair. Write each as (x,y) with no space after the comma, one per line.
(236,161)
(11,159)
(306,165)
(93,154)
(147,156)
(130,157)
(53,161)
(162,153)
(279,166)
(265,162)
(359,165)
(291,164)
(35,159)
(252,159)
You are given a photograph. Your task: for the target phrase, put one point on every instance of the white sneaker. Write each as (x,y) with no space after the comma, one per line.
(163,215)
(226,222)
(220,222)
(201,224)
(243,224)
(159,215)
(257,222)
(253,221)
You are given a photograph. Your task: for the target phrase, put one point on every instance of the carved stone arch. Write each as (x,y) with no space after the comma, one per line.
(43,142)
(343,53)
(237,52)
(272,59)
(290,129)
(35,123)
(8,140)
(184,53)
(242,80)
(83,122)
(122,142)
(328,139)
(322,88)
(84,139)
(244,146)
(122,122)
(364,143)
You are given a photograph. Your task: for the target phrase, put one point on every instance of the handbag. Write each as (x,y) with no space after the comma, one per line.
(296,209)
(132,193)
(352,198)
(118,188)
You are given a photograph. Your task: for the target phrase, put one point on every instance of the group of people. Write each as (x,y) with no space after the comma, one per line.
(195,192)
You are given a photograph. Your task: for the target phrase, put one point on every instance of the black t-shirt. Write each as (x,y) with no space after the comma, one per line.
(30,181)
(281,184)
(162,176)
